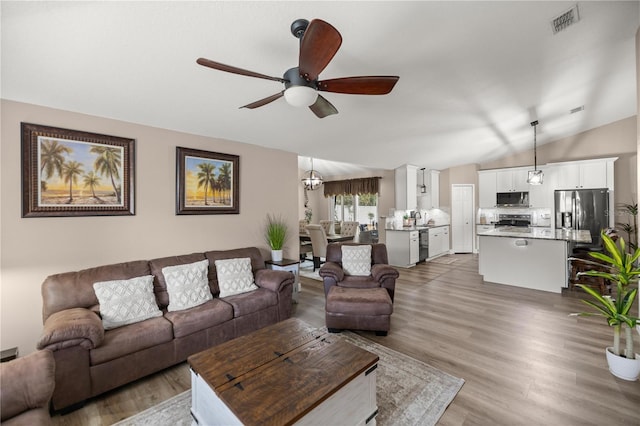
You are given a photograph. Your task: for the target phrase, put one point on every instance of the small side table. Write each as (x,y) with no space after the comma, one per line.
(289,265)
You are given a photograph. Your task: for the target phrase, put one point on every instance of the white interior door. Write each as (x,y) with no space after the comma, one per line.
(462,217)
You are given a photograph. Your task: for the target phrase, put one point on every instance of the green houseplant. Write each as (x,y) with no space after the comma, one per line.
(276,234)
(624,273)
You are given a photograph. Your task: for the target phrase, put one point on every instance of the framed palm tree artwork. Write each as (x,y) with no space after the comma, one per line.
(207,182)
(74,173)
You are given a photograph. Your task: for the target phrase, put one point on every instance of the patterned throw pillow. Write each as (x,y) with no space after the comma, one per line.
(125,302)
(356,260)
(187,285)
(235,276)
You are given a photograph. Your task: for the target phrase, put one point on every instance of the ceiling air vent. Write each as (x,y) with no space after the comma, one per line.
(563,21)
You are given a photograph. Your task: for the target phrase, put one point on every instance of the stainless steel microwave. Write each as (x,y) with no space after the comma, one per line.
(512,199)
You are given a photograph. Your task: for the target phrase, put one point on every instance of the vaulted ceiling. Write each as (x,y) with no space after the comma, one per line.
(473,75)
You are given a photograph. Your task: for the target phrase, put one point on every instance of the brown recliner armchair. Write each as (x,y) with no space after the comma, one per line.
(358,302)
(27,385)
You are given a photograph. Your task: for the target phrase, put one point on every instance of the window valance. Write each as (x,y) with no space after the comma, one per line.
(352,186)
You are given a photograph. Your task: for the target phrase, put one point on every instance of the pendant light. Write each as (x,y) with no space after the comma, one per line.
(535,175)
(423,187)
(312,179)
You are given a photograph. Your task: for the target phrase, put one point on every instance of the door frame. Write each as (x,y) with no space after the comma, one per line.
(473,214)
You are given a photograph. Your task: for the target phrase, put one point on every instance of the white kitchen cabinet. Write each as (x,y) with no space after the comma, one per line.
(481,229)
(590,174)
(487,188)
(430,199)
(438,241)
(406,187)
(403,248)
(512,180)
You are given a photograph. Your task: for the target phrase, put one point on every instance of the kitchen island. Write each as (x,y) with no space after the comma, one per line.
(534,258)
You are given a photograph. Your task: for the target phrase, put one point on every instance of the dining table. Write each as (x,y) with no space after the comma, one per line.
(331,238)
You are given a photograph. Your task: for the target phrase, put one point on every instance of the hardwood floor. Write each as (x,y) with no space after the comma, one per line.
(523,359)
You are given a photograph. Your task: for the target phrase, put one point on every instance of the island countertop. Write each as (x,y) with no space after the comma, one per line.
(578,236)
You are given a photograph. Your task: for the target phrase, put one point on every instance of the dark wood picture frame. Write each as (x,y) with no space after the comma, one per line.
(207,182)
(75,173)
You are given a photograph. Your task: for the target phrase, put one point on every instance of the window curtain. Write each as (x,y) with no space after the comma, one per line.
(351,186)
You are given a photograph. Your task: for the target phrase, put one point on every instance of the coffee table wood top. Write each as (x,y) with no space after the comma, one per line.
(279,373)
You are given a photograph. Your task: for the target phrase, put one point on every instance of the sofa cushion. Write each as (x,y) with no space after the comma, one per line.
(201,317)
(257,262)
(159,283)
(125,302)
(235,276)
(356,260)
(75,289)
(131,338)
(254,301)
(187,285)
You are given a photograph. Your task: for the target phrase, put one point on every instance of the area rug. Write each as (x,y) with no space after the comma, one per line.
(306,270)
(409,392)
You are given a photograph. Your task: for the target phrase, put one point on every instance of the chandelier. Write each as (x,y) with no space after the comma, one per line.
(312,179)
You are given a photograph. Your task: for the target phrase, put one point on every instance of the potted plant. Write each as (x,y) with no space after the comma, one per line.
(276,233)
(623,272)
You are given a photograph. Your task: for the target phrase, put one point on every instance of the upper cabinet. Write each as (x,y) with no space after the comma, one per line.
(585,174)
(430,198)
(406,178)
(512,180)
(487,188)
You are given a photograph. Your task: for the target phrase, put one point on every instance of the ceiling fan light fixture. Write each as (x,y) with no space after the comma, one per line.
(535,176)
(300,96)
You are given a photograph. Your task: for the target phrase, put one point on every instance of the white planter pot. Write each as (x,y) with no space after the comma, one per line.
(623,368)
(276,255)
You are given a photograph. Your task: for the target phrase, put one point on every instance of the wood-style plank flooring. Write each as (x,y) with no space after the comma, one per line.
(523,359)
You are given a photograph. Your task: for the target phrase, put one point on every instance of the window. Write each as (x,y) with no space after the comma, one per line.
(362,208)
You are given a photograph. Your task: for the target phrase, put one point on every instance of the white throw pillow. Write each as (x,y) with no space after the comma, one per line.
(235,276)
(125,302)
(187,285)
(356,260)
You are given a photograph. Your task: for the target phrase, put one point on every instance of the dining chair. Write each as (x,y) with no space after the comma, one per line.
(349,228)
(326,225)
(318,244)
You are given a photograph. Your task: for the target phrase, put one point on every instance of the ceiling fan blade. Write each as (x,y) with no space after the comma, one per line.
(263,102)
(235,70)
(319,44)
(374,85)
(323,107)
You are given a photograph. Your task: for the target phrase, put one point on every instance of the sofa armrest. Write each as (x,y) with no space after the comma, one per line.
(382,271)
(72,327)
(27,383)
(273,280)
(332,270)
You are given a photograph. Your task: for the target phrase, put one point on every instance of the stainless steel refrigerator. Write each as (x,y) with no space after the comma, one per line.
(583,209)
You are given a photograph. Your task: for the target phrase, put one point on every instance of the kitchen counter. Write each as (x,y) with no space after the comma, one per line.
(415,228)
(577,236)
(534,258)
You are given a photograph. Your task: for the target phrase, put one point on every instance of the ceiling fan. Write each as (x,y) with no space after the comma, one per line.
(319,42)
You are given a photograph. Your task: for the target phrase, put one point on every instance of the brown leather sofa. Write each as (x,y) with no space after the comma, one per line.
(26,386)
(90,360)
(358,302)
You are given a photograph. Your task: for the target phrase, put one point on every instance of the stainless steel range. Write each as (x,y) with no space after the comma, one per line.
(522,220)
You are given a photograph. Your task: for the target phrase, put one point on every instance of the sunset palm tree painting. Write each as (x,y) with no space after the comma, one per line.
(208,182)
(78,173)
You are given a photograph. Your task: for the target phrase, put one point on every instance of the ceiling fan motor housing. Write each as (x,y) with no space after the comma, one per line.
(293,78)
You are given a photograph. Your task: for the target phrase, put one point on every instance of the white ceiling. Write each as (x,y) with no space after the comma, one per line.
(473,75)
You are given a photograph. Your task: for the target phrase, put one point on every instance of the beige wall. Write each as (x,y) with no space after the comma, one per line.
(33,248)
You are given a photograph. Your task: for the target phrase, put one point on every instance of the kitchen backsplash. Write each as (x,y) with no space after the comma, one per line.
(539,217)
(437,216)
